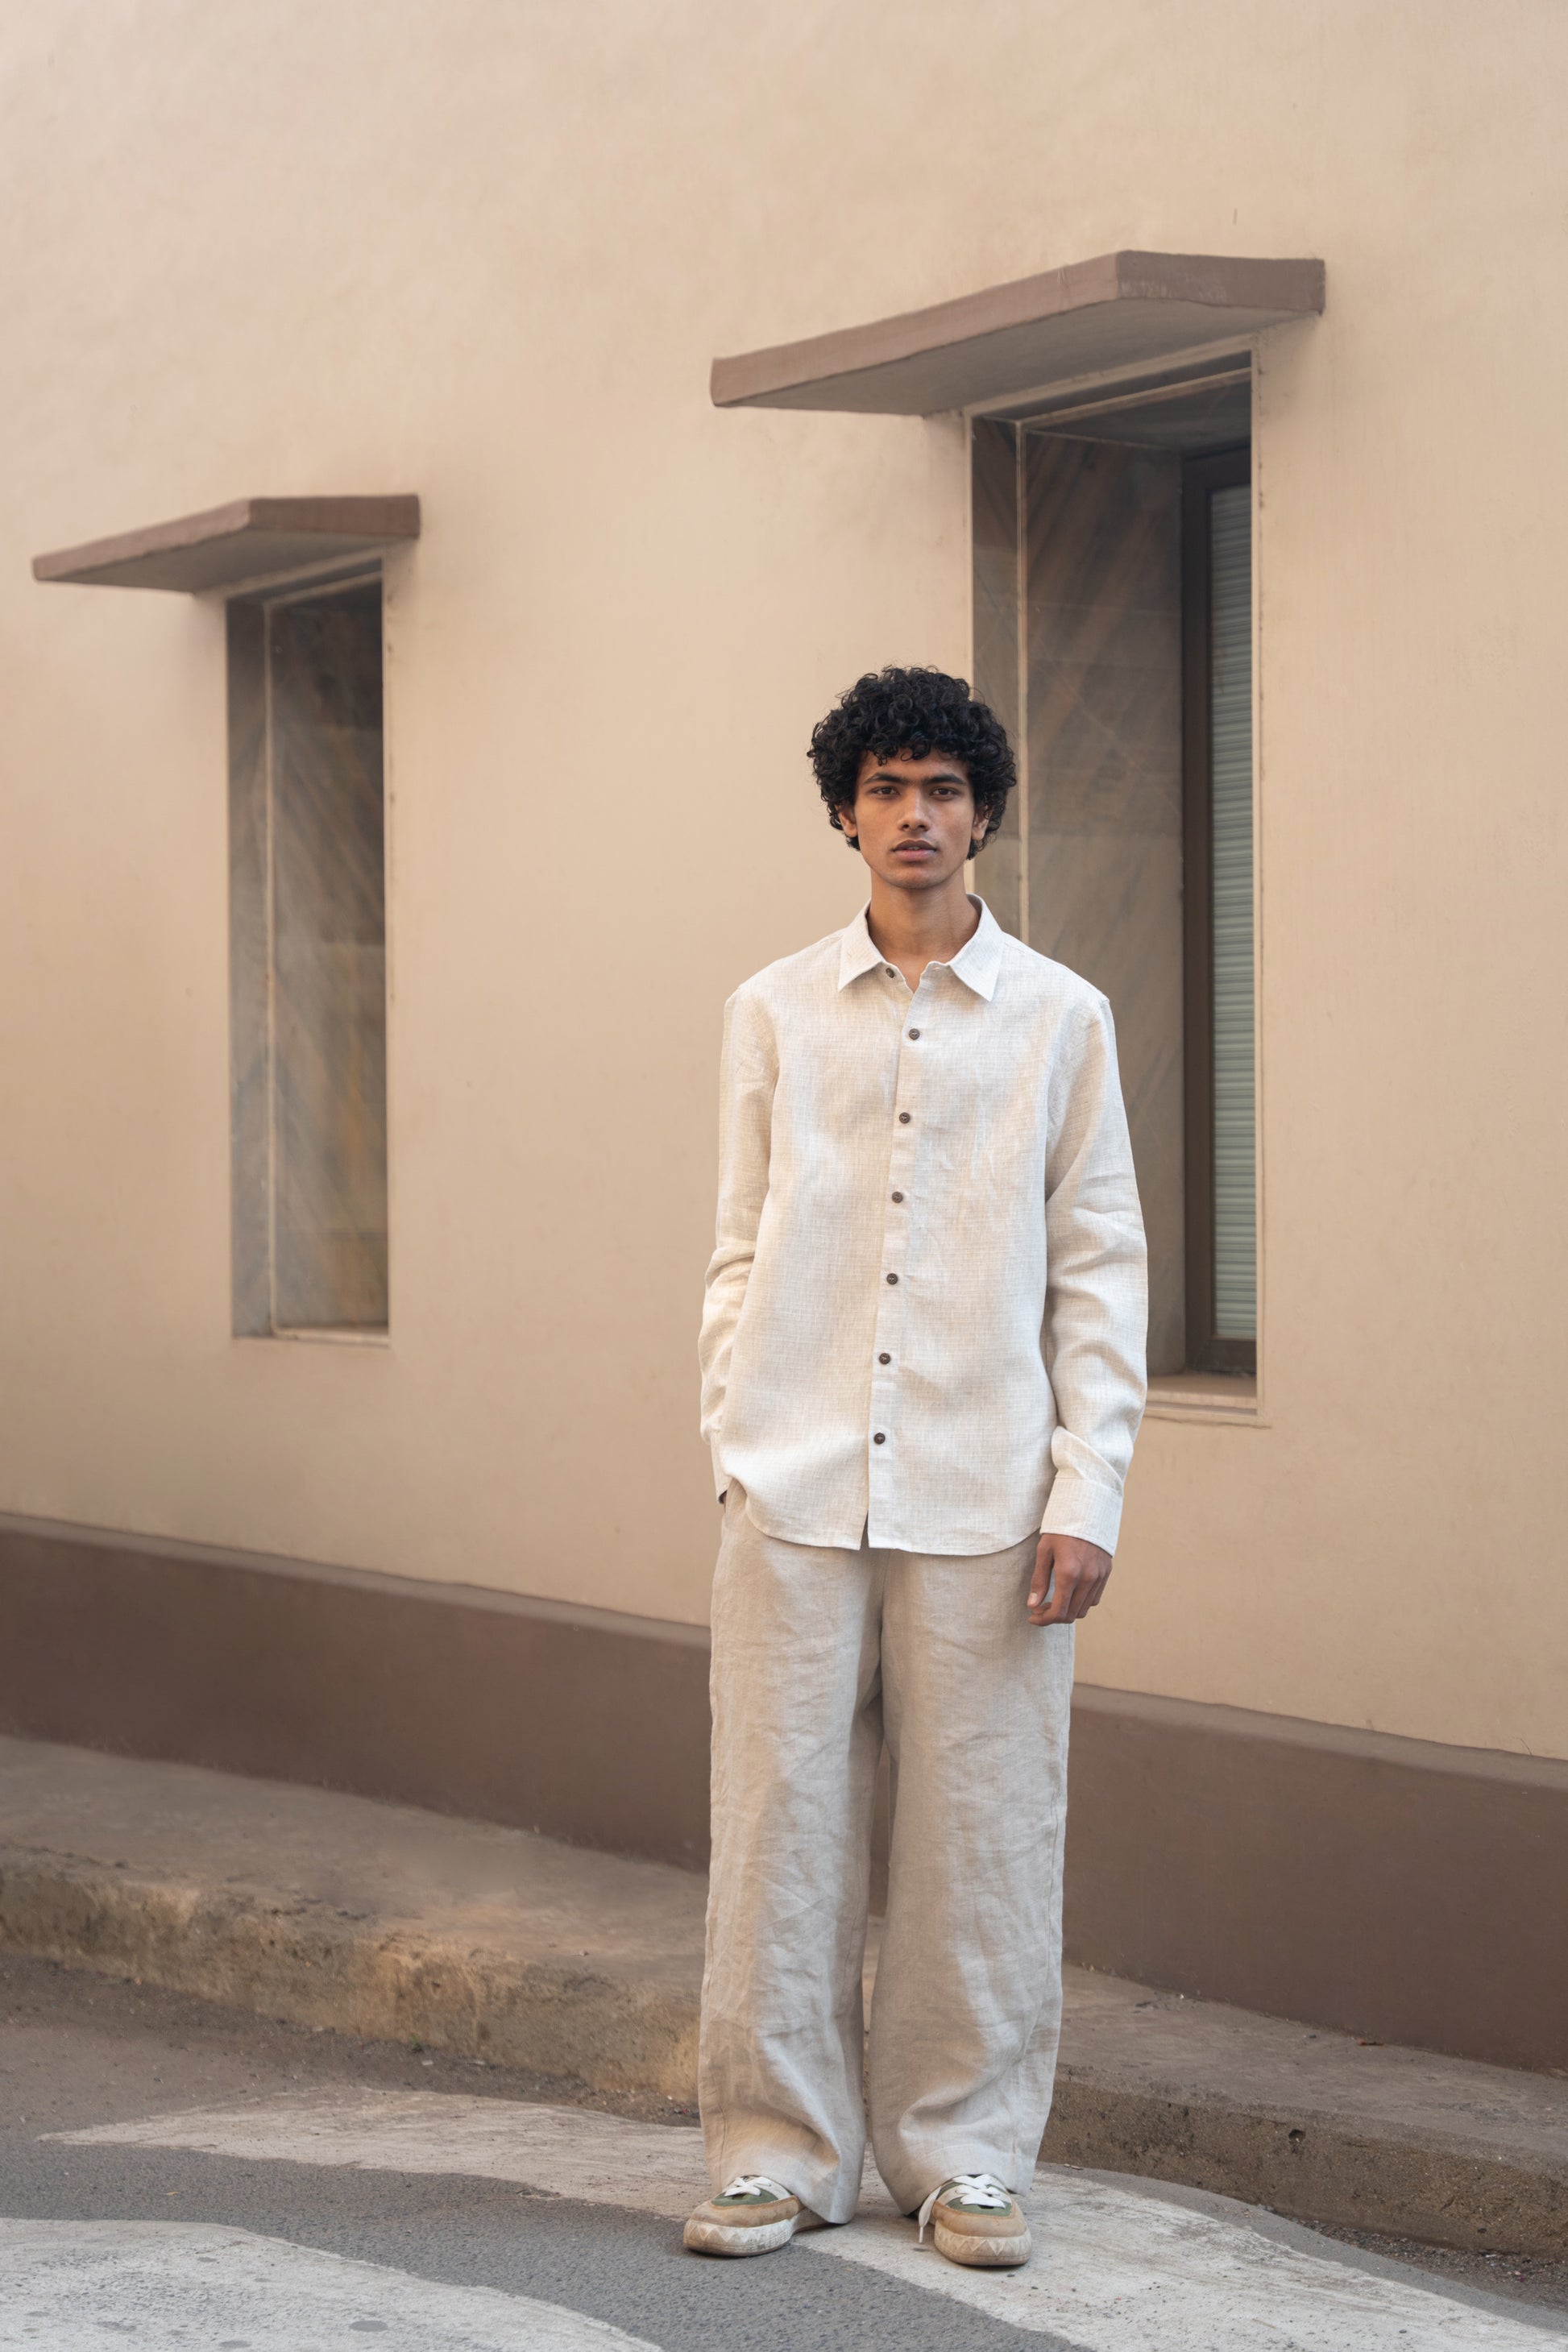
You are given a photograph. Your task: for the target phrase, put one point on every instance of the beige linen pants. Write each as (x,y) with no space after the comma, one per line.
(818,1656)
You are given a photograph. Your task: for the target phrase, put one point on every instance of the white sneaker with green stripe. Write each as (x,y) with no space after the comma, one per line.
(753,2216)
(976,2219)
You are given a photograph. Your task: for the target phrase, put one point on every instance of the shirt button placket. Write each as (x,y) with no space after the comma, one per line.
(892,1312)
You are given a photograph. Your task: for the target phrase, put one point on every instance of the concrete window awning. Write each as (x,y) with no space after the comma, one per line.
(250,539)
(1118,311)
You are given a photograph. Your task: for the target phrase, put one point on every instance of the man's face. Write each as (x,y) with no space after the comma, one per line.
(913,820)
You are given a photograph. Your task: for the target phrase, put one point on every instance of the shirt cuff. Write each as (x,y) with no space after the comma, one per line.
(1078,1506)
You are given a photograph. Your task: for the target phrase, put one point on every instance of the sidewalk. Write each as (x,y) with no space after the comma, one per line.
(385,1922)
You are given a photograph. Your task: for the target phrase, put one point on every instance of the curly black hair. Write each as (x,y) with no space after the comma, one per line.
(914,711)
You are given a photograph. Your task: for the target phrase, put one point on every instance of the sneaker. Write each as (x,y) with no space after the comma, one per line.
(753,2216)
(975,2220)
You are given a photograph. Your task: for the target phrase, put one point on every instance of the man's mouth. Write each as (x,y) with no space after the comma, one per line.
(915,849)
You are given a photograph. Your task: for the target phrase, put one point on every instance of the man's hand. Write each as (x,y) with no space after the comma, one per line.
(1073,1572)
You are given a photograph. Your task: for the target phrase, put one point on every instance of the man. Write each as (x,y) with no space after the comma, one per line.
(922,1355)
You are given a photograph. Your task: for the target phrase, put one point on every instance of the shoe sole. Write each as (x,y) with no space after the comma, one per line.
(724,2238)
(982,2254)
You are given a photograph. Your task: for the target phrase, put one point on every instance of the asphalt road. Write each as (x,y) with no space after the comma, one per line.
(174,2175)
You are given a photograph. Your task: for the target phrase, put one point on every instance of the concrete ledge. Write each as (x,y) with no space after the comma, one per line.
(386,1923)
(1316,2168)
(292,1960)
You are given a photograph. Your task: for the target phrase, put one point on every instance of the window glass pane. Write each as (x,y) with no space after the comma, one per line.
(1234,1125)
(328,957)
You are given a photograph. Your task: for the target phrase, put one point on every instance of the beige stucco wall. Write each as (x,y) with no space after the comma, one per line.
(485,251)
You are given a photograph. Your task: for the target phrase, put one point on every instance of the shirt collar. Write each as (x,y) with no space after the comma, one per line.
(977,965)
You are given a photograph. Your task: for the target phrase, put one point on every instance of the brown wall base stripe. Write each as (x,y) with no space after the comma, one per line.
(1396,1889)
(580,1723)
(1392,1887)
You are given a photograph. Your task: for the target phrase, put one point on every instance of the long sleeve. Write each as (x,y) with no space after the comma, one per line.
(1097,1303)
(748,1073)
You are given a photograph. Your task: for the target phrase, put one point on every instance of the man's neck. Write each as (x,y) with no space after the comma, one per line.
(914,928)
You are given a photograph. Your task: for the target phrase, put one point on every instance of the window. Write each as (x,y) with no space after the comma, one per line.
(307,960)
(1113,634)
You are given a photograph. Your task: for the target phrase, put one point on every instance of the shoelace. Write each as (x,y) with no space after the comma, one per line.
(754,2184)
(982,2190)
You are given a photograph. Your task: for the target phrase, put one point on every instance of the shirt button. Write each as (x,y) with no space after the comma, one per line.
(880,1438)
(893,1278)
(892,973)
(898,1196)
(914,1032)
(884,1359)
(903,1119)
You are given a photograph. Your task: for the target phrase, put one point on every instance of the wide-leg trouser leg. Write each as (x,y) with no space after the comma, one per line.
(797,1733)
(967,2008)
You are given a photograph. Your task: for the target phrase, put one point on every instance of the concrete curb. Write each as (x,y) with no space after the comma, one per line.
(300,1959)
(1311,2170)
(301,1962)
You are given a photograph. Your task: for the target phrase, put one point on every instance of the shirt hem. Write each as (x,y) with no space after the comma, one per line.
(976,1546)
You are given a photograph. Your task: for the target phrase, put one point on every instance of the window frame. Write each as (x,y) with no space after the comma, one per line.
(1207,1351)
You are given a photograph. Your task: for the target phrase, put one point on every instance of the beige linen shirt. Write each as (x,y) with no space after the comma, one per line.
(926,1312)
